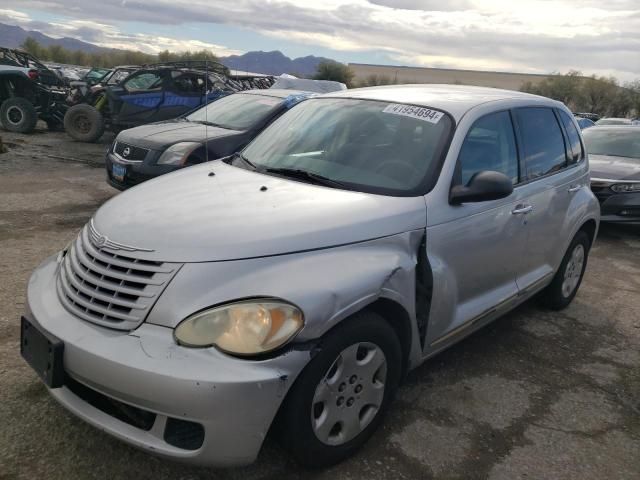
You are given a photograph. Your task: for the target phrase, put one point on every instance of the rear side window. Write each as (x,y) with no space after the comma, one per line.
(489,145)
(542,141)
(574,137)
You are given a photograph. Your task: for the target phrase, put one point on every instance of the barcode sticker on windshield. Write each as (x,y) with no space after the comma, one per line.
(421,113)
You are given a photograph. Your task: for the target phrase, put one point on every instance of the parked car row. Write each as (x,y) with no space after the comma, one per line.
(290,286)
(113,99)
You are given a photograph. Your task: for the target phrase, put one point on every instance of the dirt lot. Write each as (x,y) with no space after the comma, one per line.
(537,395)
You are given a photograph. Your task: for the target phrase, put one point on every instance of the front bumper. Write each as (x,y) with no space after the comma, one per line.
(620,207)
(136,173)
(233,400)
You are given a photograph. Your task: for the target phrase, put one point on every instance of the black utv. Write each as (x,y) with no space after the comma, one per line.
(29,91)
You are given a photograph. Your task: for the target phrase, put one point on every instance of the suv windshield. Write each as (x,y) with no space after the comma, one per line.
(236,112)
(367,145)
(623,142)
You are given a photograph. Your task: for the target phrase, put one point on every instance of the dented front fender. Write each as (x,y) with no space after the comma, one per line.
(328,284)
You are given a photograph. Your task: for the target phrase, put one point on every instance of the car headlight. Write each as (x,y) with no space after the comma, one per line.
(177,154)
(243,328)
(626,187)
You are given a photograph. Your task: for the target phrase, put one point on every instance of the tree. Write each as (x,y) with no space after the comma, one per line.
(30,45)
(375,80)
(601,95)
(338,72)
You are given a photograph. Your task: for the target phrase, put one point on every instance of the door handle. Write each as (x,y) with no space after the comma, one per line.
(522,210)
(574,189)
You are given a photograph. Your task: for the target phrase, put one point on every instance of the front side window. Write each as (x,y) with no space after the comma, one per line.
(489,145)
(365,145)
(574,137)
(239,111)
(144,81)
(543,143)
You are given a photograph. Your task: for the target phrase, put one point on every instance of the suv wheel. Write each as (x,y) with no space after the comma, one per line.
(339,399)
(565,284)
(18,115)
(84,123)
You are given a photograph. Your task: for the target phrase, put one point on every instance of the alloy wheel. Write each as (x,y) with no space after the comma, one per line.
(14,115)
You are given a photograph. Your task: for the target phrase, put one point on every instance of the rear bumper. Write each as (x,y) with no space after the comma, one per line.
(231,401)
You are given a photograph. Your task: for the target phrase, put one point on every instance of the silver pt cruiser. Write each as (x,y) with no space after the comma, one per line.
(293,285)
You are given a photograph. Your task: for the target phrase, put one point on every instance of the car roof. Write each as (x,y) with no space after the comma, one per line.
(275,92)
(620,128)
(454,99)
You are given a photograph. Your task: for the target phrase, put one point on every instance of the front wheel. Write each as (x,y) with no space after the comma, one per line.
(340,398)
(84,123)
(18,115)
(565,284)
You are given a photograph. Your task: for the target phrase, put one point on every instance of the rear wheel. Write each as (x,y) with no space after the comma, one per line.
(565,284)
(84,123)
(18,115)
(340,398)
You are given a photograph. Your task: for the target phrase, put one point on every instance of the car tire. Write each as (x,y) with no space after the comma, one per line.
(18,115)
(84,123)
(341,396)
(566,282)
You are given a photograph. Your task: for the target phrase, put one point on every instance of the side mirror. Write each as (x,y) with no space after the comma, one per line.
(483,186)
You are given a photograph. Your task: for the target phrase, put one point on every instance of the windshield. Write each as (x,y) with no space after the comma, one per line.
(623,142)
(236,112)
(369,145)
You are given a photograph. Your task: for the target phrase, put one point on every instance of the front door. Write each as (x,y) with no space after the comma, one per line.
(480,249)
(141,95)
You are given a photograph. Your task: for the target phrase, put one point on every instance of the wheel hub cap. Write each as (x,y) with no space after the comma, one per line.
(350,395)
(14,115)
(573,271)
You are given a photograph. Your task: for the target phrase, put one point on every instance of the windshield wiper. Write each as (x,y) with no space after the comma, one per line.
(310,177)
(244,159)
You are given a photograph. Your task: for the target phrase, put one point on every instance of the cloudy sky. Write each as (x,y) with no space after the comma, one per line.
(540,36)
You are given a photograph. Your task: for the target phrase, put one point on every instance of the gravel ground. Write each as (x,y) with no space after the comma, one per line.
(536,395)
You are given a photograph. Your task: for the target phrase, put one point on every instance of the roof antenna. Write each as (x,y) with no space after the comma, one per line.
(206,110)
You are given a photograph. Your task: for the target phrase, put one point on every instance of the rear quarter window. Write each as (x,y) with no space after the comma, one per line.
(574,137)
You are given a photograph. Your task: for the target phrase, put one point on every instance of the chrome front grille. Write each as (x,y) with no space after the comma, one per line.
(129,152)
(101,286)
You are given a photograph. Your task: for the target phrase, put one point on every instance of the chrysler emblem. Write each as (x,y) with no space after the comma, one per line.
(102,241)
(126,152)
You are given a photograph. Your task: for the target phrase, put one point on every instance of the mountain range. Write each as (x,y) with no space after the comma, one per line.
(270,63)
(12,36)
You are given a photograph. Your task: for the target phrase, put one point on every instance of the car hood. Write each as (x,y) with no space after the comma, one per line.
(614,168)
(158,136)
(194,216)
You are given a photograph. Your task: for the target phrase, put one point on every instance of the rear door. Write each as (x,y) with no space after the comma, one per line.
(550,182)
(184,92)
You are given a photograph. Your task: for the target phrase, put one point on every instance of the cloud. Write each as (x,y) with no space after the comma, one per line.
(428,5)
(529,35)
